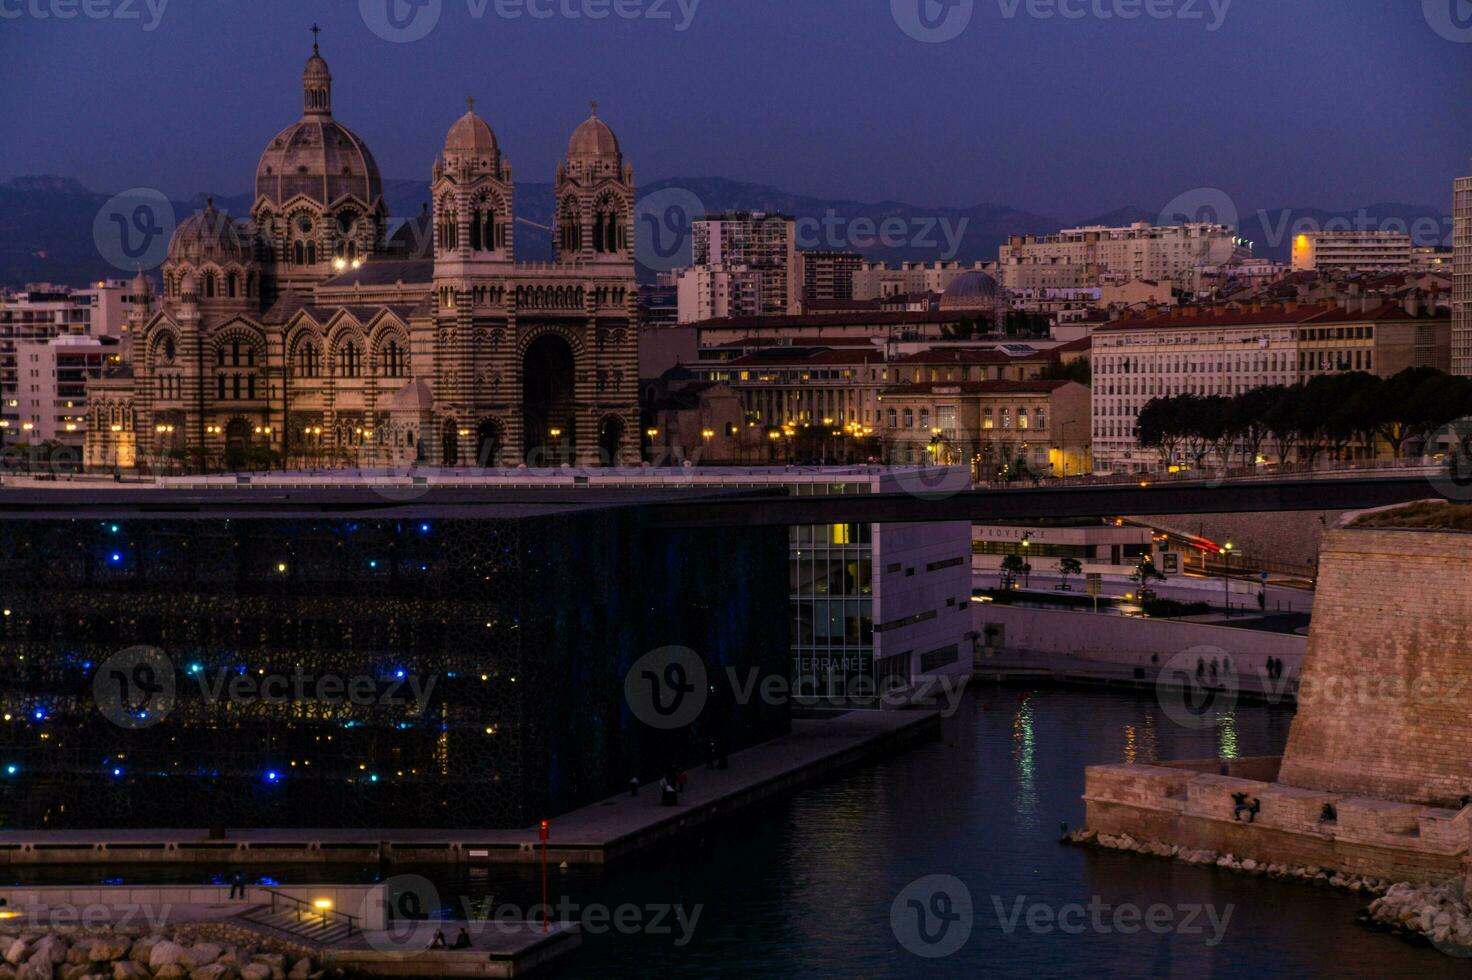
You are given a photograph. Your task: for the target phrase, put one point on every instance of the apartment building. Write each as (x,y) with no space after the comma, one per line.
(43,311)
(1229,349)
(743,264)
(828,276)
(1462,277)
(1081,257)
(50,393)
(1352,251)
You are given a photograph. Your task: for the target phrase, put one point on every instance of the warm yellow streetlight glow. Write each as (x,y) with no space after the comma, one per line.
(322,903)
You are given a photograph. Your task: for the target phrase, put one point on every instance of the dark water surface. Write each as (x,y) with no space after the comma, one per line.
(804,888)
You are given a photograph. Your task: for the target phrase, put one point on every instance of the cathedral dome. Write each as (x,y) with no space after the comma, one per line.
(209,236)
(317,156)
(593,139)
(471,136)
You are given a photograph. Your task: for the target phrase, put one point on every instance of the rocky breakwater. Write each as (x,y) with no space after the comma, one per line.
(1309,874)
(58,955)
(1438,914)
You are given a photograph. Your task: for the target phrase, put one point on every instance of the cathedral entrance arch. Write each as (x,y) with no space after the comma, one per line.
(548,410)
(237,444)
(450,447)
(610,440)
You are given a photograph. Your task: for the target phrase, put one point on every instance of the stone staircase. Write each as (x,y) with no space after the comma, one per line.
(307,927)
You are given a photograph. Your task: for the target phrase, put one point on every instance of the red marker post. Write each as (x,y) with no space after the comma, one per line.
(544,831)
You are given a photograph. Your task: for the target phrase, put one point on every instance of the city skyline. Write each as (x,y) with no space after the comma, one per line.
(1026,146)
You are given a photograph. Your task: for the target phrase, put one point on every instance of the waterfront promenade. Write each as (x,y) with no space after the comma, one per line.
(604,832)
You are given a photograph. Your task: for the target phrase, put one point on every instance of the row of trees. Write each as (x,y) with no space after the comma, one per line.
(1328,414)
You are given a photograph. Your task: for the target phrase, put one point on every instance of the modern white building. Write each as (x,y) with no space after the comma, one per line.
(1352,251)
(1462,277)
(50,393)
(41,312)
(1082,257)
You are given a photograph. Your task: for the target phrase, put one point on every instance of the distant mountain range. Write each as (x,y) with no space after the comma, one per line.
(46,222)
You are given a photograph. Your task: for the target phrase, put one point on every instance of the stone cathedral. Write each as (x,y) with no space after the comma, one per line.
(310,336)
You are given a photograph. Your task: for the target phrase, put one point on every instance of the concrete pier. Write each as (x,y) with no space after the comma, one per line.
(607,831)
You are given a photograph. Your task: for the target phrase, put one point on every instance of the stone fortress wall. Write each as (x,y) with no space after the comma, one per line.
(1380,753)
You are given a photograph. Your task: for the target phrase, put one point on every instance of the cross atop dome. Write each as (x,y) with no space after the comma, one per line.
(594,106)
(470,103)
(315,32)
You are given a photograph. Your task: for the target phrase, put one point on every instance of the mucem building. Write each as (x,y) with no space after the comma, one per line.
(269,660)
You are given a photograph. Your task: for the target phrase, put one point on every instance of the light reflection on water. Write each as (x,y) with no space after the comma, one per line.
(803,888)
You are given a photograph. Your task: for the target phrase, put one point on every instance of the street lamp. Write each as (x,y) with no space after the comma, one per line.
(1227,576)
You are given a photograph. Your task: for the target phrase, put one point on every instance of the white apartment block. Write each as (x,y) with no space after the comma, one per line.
(1080,257)
(1227,351)
(50,395)
(708,292)
(755,246)
(1352,251)
(1462,278)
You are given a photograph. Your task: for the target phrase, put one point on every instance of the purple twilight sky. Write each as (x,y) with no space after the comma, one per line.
(1044,105)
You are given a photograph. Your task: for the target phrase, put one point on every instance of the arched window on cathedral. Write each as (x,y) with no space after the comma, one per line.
(209,284)
(393,360)
(349,360)
(232,285)
(308,361)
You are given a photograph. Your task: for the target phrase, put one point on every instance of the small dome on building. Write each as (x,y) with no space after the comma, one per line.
(209,236)
(974,290)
